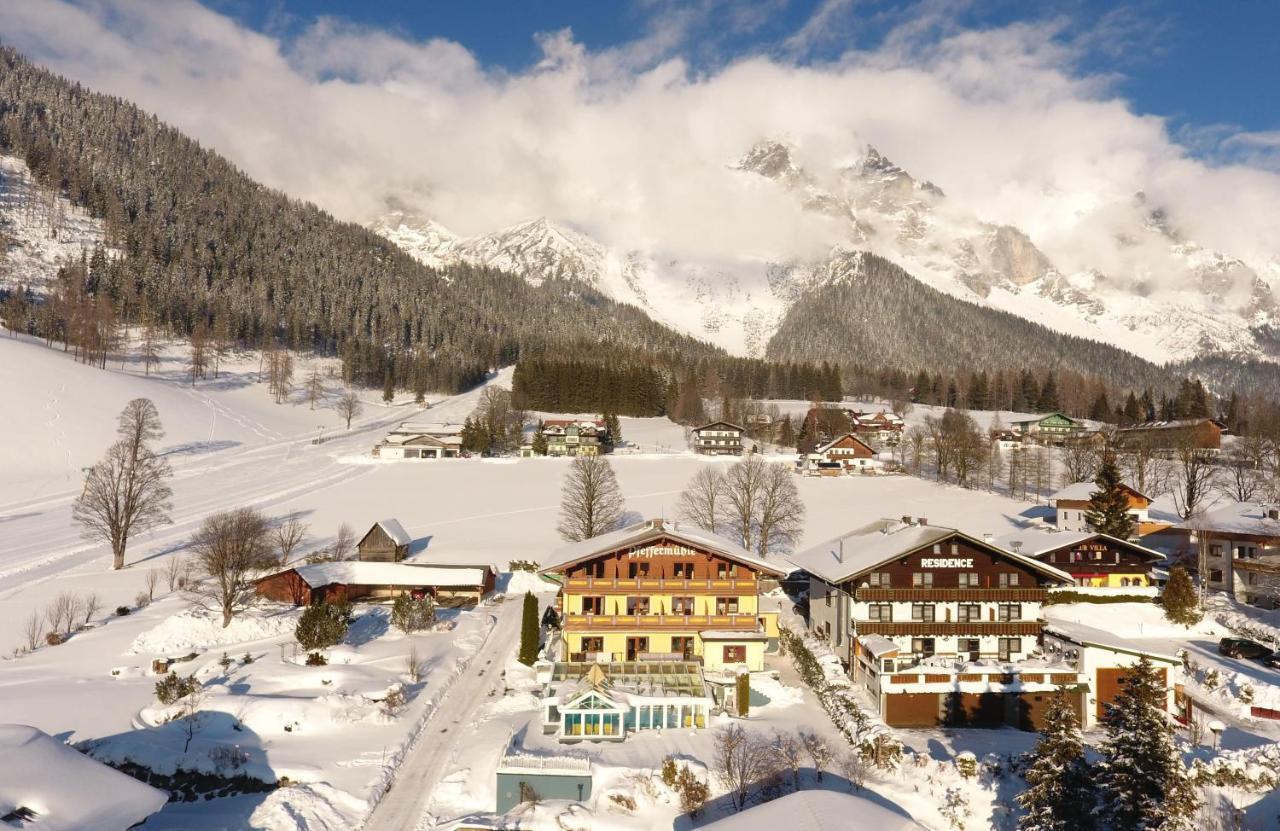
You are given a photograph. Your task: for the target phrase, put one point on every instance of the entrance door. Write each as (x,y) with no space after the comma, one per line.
(635,646)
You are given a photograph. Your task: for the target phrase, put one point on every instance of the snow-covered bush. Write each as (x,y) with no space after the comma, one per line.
(955,808)
(410,615)
(693,792)
(323,625)
(173,687)
(967,764)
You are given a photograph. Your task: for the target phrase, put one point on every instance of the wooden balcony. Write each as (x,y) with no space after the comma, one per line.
(728,586)
(591,623)
(940,629)
(1020,595)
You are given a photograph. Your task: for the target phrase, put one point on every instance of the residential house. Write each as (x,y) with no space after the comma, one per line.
(576,437)
(719,438)
(657,603)
(1007,440)
(880,428)
(1166,437)
(1241,548)
(1072,506)
(845,454)
(1093,560)
(418,440)
(1050,428)
(938,626)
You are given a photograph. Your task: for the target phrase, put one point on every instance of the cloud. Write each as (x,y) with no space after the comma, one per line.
(635,146)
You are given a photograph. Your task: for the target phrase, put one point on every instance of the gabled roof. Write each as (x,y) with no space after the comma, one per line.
(653,529)
(728,424)
(392,528)
(825,447)
(67,789)
(1043,416)
(1083,491)
(862,549)
(1251,518)
(819,810)
(1038,542)
(1171,424)
(1086,635)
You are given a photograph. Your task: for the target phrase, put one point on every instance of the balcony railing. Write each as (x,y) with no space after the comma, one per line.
(915,628)
(726,621)
(992,595)
(639,585)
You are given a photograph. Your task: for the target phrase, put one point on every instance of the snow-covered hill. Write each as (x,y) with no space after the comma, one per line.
(1192,301)
(39,231)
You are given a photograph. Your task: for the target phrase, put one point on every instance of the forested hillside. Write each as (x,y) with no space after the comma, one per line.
(203,244)
(870,312)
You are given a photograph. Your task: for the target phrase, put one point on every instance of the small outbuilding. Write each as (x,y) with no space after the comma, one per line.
(450,585)
(46,785)
(385,542)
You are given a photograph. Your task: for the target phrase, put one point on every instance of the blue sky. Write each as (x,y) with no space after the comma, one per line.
(1202,65)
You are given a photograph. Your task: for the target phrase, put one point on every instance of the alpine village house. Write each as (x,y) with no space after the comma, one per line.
(658,620)
(719,438)
(938,626)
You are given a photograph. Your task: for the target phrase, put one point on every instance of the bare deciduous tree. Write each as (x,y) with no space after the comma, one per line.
(173,572)
(152,580)
(788,753)
(349,407)
(63,612)
(138,425)
(344,544)
(198,359)
(743,485)
(591,502)
(91,606)
(739,763)
(1193,478)
(1080,460)
(32,631)
(819,751)
(229,549)
(781,510)
(702,501)
(315,387)
(288,535)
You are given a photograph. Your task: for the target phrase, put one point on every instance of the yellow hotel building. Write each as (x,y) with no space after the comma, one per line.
(662,591)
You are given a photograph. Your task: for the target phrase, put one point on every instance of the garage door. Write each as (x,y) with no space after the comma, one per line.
(911,710)
(975,709)
(1110,682)
(1033,706)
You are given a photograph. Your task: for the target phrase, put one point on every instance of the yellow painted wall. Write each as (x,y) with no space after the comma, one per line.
(616,604)
(1112,581)
(713,655)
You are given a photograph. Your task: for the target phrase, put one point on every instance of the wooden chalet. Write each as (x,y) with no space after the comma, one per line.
(719,438)
(1092,559)
(576,436)
(1050,428)
(938,626)
(846,454)
(1071,505)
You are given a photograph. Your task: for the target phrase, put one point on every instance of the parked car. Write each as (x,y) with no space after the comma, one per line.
(1243,648)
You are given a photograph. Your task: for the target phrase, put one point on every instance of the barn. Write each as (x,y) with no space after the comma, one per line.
(385,542)
(450,585)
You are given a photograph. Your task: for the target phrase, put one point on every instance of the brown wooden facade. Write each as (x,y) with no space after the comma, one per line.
(703,571)
(995,570)
(1099,557)
(377,546)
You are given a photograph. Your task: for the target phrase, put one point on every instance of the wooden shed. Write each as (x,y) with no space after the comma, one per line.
(354,580)
(385,542)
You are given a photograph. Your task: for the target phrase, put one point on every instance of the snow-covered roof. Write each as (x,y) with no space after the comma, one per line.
(1038,541)
(825,447)
(728,424)
(1169,424)
(818,810)
(1086,635)
(1250,518)
(66,789)
(840,558)
(429,428)
(653,529)
(357,573)
(878,645)
(394,530)
(1083,491)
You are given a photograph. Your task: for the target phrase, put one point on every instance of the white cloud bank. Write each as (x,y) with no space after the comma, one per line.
(634,147)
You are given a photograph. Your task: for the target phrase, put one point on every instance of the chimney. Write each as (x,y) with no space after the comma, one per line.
(906,520)
(923,520)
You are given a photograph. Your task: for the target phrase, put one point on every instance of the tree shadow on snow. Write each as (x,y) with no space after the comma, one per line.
(370,626)
(196,447)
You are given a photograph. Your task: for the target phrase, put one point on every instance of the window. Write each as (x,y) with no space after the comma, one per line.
(682,605)
(1010,611)
(826,594)
(969,612)
(1009,579)
(878,580)
(1215,575)
(635,570)
(922,612)
(922,646)
(1009,647)
(724,571)
(726,605)
(970,648)
(595,569)
(683,645)
(735,654)
(1216,549)
(637,605)
(593,646)
(682,570)
(593,605)
(922,580)
(937,548)
(880,611)
(968,580)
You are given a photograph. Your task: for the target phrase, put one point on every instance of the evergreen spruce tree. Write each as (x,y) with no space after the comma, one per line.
(1109,505)
(787,433)
(1060,795)
(388,387)
(1179,598)
(539,442)
(529,630)
(1143,782)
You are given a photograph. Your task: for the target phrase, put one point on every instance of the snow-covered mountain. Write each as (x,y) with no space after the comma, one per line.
(1195,301)
(39,231)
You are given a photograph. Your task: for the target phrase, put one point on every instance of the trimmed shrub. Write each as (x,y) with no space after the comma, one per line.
(409,615)
(316,659)
(121,611)
(323,625)
(173,688)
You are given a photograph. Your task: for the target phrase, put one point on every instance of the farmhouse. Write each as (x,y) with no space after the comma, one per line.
(1169,436)
(1241,546)
(719,438)
(1051,428)
(879,427)
(576,437)
(1072,503)
(415,440)
(450,585)
(1092,559)
(938,626)
(845,454)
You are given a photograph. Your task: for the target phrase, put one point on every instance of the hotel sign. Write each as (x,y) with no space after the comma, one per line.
(947,562)
(667,550)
